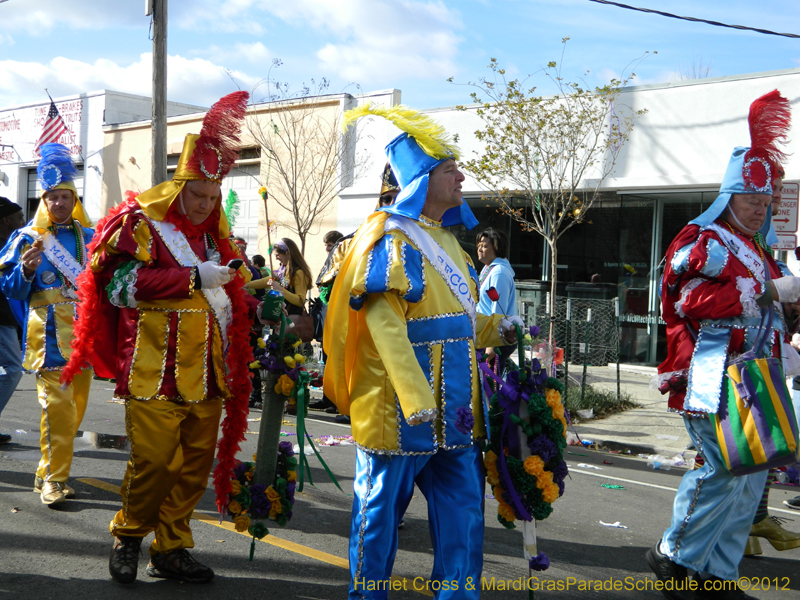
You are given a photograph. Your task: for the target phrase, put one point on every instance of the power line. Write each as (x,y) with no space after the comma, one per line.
(695,20)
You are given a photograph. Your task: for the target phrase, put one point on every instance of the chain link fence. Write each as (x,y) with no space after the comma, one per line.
(595,341)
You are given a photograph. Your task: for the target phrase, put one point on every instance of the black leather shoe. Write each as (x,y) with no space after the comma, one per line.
(320,404)
(344,419)
(124,562)
(667,570)
(4,438)
(178,564)
(719,589)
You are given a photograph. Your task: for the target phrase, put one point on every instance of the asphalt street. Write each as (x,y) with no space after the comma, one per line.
(63,552)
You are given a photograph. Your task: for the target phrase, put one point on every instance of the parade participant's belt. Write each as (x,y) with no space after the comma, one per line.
(179,247)
(440,260)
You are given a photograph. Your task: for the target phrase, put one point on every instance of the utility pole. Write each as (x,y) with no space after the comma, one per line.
(158,8)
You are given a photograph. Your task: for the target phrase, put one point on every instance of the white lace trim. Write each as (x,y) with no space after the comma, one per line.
(747,296)
(129,283)
(685,293)
(657,380)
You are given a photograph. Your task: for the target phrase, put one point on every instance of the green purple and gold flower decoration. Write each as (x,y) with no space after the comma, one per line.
(527,435)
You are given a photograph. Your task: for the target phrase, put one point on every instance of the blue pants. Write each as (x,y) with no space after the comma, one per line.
(10,363)
(453,484)
(713,510)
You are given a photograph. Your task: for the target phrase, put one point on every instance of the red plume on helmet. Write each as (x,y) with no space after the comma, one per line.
(217,148)
(770,118)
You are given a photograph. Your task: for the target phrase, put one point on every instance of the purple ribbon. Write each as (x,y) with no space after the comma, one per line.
(510,402)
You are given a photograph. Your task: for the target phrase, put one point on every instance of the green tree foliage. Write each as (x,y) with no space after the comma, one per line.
(544,158)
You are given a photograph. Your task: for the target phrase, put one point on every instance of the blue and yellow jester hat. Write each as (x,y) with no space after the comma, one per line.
(752,170)
(56,171)
(413,155)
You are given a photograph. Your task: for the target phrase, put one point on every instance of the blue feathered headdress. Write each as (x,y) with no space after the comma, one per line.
(55,167)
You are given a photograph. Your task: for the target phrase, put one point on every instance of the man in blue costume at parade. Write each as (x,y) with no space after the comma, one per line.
(401,334)
(39,267)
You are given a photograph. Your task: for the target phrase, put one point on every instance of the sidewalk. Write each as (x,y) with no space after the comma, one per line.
(648,429)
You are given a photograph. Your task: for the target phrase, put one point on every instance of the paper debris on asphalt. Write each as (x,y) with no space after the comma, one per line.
(617,525)
(335,440)
(585,466)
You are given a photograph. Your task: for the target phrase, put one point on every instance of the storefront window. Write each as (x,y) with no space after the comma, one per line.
(615,253)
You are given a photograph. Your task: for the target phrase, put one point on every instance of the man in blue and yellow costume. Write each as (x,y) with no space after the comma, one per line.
(175,324)
(39,268)
(401,334)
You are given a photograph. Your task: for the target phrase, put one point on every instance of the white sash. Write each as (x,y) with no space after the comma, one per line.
(440,260)
(59,256)
(749,258)
(179,246)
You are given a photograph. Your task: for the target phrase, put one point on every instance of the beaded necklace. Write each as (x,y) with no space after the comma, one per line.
(484,274)
(212,252)
(762,242)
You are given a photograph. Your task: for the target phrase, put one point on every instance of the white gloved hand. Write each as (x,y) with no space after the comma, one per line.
(788,288)
(796,341)
(213,275)
(507,323)
(507,330)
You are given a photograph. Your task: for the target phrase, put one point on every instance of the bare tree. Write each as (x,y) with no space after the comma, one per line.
(699,68)
(310,159)
(545,158)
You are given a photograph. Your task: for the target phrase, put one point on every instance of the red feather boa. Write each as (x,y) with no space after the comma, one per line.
(93,309)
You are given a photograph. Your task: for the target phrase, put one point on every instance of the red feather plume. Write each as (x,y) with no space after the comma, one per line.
(769,119)
(218,145)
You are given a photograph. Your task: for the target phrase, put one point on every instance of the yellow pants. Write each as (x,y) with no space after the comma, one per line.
(62,413)
(172,451)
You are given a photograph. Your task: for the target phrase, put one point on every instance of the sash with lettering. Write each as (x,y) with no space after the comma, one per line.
(440,260)
(62,260)
(179,247)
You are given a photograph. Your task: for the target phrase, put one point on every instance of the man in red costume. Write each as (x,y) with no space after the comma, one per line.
(175,322)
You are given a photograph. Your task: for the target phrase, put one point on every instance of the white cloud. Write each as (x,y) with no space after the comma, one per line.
(190,80)
(361,40)
(45,15)
(379,38)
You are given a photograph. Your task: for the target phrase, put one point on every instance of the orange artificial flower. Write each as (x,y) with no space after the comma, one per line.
(242,523)
(533,465)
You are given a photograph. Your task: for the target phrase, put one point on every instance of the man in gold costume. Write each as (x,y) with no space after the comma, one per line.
(39,268)
(176,323)
(401,334)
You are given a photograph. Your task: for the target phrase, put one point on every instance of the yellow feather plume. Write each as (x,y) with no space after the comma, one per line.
(431,136)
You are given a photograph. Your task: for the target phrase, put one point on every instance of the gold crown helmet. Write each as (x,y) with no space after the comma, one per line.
(388,180)
(208,156)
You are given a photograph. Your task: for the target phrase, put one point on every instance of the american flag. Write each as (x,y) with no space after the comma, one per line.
(54,128)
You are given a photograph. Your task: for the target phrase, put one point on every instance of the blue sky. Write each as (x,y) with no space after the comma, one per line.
(73,46)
